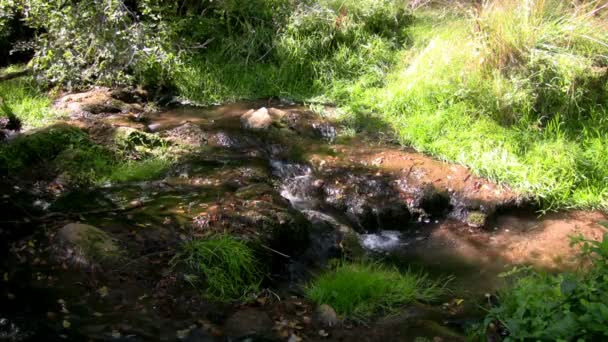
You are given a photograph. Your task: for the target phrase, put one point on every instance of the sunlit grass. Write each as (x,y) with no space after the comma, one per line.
(27,99)
(222,267)
(361,290)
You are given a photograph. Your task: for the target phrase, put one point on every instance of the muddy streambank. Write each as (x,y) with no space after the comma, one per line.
(292,183)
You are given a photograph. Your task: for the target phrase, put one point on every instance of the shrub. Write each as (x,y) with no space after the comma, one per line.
(565,306)
(225,267)
(360,290)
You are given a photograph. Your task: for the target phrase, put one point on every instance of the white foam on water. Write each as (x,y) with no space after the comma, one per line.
(383,241)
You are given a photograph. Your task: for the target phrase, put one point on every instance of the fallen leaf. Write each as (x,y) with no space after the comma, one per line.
(66,324)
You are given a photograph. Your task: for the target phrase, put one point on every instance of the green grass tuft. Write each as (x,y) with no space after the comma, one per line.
(28,100)
(361,290)
(226,268)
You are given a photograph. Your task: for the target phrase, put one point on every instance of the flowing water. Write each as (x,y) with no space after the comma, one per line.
(403,208)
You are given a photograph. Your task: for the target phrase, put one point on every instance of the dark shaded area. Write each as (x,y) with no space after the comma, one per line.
(16,44)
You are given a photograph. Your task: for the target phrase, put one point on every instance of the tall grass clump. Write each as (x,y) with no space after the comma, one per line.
(559,48)
(360,290)
(224,267)
(27,100)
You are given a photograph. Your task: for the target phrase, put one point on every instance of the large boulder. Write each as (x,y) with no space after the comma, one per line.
(86,245)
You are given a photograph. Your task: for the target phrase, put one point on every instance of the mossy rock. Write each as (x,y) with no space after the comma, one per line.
(476,219)
(86,245)
(40,145)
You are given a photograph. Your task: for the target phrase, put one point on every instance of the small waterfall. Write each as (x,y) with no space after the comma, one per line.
(385,240)
(297,183)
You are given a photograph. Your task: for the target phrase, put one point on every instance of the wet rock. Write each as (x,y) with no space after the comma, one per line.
(99,100)
(102,107)
(262,118)
(369,201)
(200,335)
(325,131)
(279,226)
(326,316)
(187,134)
(327,237)
(86,245)
(130,138)
(248,323)
(259,119)
(129,95)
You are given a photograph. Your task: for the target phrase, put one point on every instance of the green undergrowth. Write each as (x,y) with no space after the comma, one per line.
(299,53)
(361,290)
(68,152)
(515,90)
(27,99)
(222,267)
(555,307)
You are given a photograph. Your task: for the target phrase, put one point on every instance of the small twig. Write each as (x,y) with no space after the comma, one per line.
(275,251)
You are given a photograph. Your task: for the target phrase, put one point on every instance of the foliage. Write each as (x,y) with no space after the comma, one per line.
(360,290)
(566,306)
(225,266)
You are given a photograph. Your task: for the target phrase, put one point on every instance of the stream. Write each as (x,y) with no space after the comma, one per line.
(310,193)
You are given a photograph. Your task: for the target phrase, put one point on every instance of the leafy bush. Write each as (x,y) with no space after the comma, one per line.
(362,289)
(225,267)
(566,306)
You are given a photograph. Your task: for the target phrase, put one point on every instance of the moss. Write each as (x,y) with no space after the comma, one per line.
(476,219)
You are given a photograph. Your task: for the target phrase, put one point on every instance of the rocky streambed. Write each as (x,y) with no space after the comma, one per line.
(94,263)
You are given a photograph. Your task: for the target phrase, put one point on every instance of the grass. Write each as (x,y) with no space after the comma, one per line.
(223,267)
(551,307)
(360,290)
(65,150)
(515,105)
(27,99)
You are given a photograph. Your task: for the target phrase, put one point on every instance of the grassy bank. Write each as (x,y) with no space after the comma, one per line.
(521,100)
(517,91)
